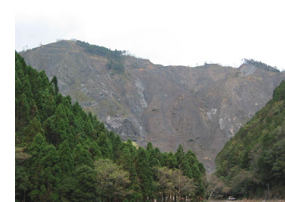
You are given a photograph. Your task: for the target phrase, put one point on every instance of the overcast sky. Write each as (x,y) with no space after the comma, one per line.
(165,32)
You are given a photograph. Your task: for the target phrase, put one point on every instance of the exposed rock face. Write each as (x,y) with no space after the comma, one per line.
(200,108)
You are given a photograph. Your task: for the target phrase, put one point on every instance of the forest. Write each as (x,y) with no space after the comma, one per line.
(64,154)
(252,163)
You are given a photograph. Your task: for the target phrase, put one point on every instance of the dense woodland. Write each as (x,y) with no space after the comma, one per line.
(252,163)
(66,154)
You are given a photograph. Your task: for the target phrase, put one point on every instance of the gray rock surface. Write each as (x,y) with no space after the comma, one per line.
(200,108)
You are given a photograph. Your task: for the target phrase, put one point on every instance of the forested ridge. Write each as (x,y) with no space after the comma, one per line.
(65,154)
(252,163)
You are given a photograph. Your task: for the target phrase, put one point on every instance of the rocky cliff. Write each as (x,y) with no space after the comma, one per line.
(199,107)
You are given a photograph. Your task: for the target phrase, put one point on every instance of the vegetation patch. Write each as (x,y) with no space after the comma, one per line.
(261,65)
(115,58)
(252,163)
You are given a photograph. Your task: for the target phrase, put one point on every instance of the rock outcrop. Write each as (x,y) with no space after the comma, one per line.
(199,107)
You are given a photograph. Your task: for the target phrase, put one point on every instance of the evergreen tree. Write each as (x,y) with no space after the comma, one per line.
(105,145)
(49,175)
(126,160)
(82,156)
(144,173)
(54,82)
(22,183)
(32,129)
(170,161)
(95,151)
(81,187)
(66,160)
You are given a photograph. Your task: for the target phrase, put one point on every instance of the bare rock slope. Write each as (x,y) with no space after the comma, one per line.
(200,108)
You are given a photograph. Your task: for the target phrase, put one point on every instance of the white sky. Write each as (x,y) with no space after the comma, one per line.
(165,32)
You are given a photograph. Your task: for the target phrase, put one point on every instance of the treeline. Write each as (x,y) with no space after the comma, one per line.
(252,163)
(115,58)
(66,154)
(261,65)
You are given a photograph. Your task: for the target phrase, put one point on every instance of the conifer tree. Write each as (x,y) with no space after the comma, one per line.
(27,87)
(144,173)
(126,160)
(49,174)
(36,151)
(22,183)
(105,145)
(170,161)
(23,111)
(32,129)
(82,156)
(182,162)
(95,151)
(66,159)
(82,187)
(54,82)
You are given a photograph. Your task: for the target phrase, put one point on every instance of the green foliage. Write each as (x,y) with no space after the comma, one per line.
(115,58)
(279,93)
(254,158)
(173,182)
(65,154)
(81,186)
(144,173)
(112,181)
(82,156)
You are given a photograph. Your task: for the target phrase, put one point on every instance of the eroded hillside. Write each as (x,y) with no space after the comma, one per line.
(200,108)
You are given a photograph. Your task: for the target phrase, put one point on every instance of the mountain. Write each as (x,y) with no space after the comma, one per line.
(252,163)
(200,107)
(63,153)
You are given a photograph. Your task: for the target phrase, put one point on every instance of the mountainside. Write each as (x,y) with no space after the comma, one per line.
(63,153)
(200,108)
(252,163)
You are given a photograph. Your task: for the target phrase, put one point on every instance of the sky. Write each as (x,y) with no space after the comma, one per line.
(165,32)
